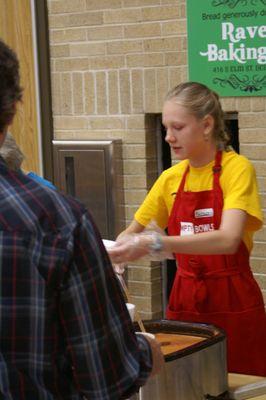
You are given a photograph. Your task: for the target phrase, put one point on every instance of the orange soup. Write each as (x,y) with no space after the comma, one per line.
(172,342)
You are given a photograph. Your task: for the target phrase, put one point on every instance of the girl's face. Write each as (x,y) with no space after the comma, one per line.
(189,137)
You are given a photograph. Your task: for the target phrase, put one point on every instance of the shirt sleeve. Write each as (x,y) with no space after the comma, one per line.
(108,360)
(241,192)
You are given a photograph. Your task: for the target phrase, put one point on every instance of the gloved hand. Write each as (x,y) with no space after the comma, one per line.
(132,246)
(119,268)
(129,247)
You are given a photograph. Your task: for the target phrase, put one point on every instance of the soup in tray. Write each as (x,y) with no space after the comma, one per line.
(173,342)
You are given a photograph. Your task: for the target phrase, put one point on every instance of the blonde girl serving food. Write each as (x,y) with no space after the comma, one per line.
(209,202)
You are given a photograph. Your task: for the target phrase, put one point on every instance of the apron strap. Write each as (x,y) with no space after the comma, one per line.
(218,193)
(217,169)
(183,181)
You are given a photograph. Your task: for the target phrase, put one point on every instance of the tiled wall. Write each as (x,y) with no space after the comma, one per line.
(112,63)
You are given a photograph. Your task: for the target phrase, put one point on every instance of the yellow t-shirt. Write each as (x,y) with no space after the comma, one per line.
(237,180)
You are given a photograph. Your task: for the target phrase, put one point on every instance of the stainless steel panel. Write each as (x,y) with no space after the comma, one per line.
(198,372)
(193,377)
(92,172)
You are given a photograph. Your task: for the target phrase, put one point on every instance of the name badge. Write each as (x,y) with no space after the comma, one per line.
(187,228)
(204,213)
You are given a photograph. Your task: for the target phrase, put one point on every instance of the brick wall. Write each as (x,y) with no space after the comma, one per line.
(112,62)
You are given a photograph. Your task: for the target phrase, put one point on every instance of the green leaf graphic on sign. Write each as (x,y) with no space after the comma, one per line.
(234,3)
(245,84)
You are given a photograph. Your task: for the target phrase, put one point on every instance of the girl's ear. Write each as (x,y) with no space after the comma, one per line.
(208,124)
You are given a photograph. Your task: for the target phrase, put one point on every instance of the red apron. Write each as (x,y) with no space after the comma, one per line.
(217,289)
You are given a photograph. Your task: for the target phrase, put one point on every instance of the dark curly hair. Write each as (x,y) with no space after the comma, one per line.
(10,89)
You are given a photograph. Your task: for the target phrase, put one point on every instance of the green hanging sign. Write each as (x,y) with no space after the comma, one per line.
(227,45)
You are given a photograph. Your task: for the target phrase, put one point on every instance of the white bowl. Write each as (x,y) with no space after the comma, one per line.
(108,243)
(131,309)
(147,334)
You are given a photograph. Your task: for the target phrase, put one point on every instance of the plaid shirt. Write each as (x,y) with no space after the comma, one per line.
(65,332)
